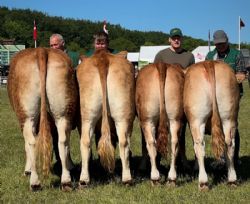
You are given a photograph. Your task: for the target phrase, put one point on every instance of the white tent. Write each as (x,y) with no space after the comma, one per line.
(148,53)
(200,53)
(133,56)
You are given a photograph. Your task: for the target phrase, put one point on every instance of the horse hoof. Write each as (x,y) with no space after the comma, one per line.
(128,183)
(36,187)
(27,173)
(203,187)
(171,183)
(83,185)
(232,184)
(155,182)
(66,187)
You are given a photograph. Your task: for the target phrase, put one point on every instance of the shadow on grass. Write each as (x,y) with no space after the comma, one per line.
(99,175)
(184,174)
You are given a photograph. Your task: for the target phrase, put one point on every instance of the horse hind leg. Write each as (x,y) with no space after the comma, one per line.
(27,169)
(30,143)
(64,149)
(149,133)
(175,131)
(229,128)
(124,134)
(85,147)
(197,130)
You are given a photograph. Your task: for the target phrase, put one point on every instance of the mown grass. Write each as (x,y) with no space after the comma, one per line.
(14,187)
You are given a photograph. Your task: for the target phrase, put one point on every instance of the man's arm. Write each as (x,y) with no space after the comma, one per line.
(240,68)
(240,64)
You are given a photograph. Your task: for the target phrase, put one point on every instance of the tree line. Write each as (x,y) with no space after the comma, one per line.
(18,24)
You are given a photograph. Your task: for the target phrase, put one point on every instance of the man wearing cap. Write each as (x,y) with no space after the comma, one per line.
(229,55)
(175,54)
(235,59)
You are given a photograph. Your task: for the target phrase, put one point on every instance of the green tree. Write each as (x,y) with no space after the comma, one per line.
(149,43)
(78,34)
(18,30)
(123,44)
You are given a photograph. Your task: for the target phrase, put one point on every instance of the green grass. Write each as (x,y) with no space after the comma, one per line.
(14,187)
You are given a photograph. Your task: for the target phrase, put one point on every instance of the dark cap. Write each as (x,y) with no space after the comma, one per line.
(175,32)
(220,37)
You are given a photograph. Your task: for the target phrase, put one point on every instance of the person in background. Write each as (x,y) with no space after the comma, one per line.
(101,41)
(175,54)
(235,59)
(57,42)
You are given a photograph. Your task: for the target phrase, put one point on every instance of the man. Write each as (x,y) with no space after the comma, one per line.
(235,59)
(175,54)
(101,41)
(57,42)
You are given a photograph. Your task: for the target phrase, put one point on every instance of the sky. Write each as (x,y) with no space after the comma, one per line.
(194,17)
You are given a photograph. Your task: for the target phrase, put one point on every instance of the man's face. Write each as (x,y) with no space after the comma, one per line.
(175,41)
(101,44)
(221,47)
(56,43)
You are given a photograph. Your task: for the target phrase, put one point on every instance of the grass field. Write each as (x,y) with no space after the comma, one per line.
(14,187)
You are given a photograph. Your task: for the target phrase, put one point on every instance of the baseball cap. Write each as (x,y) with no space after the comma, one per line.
(220,37)
(175,32)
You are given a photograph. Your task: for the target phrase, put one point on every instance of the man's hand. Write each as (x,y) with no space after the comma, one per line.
(240,77)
